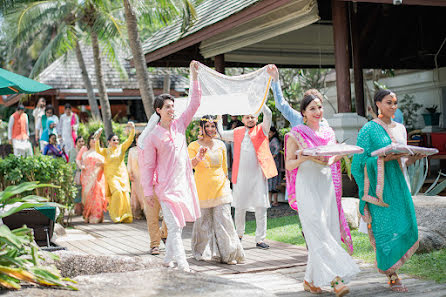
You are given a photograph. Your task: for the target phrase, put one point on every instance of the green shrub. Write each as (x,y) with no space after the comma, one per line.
(192,131)
(410,111)
(3,131)
(86,129)
(284,131)
(15,170)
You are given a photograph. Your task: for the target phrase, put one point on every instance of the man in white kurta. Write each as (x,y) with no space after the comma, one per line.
(250,193)
(66,127)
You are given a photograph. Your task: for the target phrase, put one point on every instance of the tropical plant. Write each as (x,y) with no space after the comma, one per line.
(436,188)
(284,131)
(346,166)
(87,82)
(3,132)
(417,173)
(410,111)
(19,255)
(192,131)
(153,14)
(85,129)
(64,23)
(54,22)
(432,109)
(15,170)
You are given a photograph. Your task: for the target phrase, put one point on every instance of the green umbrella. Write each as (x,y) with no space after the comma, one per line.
(11,83)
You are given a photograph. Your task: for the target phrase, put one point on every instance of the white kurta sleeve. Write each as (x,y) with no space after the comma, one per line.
(267,119)
(76,126)
(10,124)
(27,126)
(227,135)
(59,127)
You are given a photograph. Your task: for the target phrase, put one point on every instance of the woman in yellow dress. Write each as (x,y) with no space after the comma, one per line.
(215,227)
(117,185)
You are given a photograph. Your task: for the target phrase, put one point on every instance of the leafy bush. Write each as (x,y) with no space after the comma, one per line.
(284,131)
(15,170)
(3,131)
(409,109)
(192,131)
(20,256)
(86,129)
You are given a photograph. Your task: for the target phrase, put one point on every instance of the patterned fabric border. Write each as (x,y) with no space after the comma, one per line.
(401,261)
(379,185)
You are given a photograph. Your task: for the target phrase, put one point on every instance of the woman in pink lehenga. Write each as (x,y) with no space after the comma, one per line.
(93,183)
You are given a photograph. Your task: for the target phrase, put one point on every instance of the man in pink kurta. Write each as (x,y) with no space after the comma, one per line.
(165,152)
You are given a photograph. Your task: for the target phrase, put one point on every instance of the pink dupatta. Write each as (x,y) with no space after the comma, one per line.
(73,133)
(307,138)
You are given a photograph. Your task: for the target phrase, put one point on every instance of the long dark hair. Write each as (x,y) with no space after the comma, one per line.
(89,138)
(159,101)
(78,138)
(276,134)
(306,100)
(208,118)
(49,136)
(380,94)
(111,136)
(48,107)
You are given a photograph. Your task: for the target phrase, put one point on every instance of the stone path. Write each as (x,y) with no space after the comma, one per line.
(279,270)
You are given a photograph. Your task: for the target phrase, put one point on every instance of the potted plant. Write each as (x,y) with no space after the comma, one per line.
(432,118)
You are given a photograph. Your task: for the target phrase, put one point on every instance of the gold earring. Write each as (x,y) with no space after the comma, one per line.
(305,119)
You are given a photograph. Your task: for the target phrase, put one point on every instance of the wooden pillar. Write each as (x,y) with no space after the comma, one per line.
(166,83)
(219,63)
(357,65)
(55,104)
(342,58)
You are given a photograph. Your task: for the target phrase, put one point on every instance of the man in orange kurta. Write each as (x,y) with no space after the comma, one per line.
(18,132)
(252,166)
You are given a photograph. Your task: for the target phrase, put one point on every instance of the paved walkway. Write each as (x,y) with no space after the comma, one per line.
(279,270)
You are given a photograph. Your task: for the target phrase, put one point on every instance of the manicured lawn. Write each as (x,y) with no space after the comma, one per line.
(287,229)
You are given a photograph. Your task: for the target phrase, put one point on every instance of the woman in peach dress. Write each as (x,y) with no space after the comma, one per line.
(93,182)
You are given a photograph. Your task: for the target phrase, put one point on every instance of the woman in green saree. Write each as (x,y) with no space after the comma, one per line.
(386,203)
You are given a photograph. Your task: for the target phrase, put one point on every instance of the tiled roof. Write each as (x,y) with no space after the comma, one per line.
(64,73)
(208,13)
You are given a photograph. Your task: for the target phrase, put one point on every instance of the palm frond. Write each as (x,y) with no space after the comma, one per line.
(63,42)
(112,49)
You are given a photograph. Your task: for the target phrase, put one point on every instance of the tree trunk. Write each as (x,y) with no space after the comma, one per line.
(166,83)
(87,83)
(145,85)
(103,97)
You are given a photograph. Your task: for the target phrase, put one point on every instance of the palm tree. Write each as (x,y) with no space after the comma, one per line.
(95,17)
(35,21)
(87,82)
(98,20)
(153,13)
